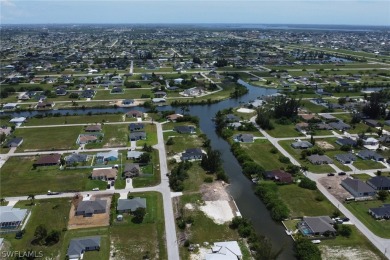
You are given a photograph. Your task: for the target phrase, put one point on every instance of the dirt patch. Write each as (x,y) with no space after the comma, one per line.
(97,220)
(335,187)
(346,253)
(214,191)
(324,145)
(219,211)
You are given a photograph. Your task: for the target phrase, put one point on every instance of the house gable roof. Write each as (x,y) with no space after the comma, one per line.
(78,245)
(131,204)
(358,185)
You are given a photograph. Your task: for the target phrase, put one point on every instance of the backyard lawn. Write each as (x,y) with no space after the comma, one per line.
(18,172)
(368,164)
(53,138)
(151,135)
(283,130)
(53,214)
(87,119)
(360,210)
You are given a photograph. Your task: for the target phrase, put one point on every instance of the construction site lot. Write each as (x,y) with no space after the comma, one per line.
(333,184)
(96,220)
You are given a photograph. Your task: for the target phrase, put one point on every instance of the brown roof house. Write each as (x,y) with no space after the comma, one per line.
(173,117)
(105,174)
(278,176)
(131,170)
(134,113)
(48,159)
(93,128)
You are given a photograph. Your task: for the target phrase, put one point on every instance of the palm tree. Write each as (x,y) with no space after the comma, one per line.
(32,198)
(2,201)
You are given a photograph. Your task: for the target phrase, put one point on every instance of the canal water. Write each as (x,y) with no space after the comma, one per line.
(241,188)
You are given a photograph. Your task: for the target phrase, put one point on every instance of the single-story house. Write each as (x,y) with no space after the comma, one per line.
(44,105)
(160,94)
(107,156)
(18,120)
(244,138)
(61,92)
(319,159)
(323,126)
(15,142)
(136,126)
(93,128)
(345,158)
(127,101)
(131,170)
(301,127)
(381,212)
(371,122)
(135,136)
(48,159)
(278,176)
(301,145)
(316,226)
(192,154)
(173,117)
(229,250)
(384,139)
(370,155)
(11,218)
(379,183)
(358,188)
(134,154)
(87,208)
(10,106)
(184,129)
(346,141)
(75,158)
(231,118)
(86,138)
(134,113)
(117,90)
(130,205)
(78,246)
(105,174)
(328,117)
(340,125)
(370,141)
(158,100)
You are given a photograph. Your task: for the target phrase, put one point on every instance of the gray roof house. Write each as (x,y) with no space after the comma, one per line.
(301,145)
(345,158)
(370,155)
(381,212)
(11,218)
(379,183)
(131,170)
(89,207)
(130,205)
(184,129)
(316,226)
(244,138)
(15,142)
(136,126)
(75,158)
(78,246)
(134,154)
(346,141)
(135,136)
(319,159)
(192,154)
(232,118)
(340,125)
(358,188)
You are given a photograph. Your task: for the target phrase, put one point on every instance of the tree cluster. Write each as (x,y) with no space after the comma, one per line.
(178,175)
(306,250)
(44,238)
(269,195)
(306,183)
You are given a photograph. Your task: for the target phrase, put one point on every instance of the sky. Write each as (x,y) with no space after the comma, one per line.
(350,12)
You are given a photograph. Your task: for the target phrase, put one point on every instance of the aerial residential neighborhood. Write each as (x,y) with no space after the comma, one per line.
(193,141)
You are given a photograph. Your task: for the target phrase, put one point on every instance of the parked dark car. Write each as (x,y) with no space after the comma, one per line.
(342,173)
(330,174)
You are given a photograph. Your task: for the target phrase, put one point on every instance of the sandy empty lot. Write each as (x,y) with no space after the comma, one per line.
(324,145)
(336,189)
(346,253)
(97,220)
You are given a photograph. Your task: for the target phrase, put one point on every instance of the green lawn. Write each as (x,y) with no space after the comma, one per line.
(151,135)
(196,178)
(265,158)
(132,241)
(181,142)
(360,210)
(368,164)
(114,136)
(18,172)
(53,138)
(363,176)
(53,214)
(128,94)
(87,119)
(312,107)
(152,175)
(283,130)
(304,202)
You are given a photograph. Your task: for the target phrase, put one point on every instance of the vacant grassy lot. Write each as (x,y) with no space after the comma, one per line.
(87,119)
(368,164)
(18,172)
(360,210)
(51,138)
(283,130)
(363,176)
(151,135)
(312,107)
(181,142)
(133,241)
(128,94)
(265,158)
(304,202)
(53,214)
(114,136)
